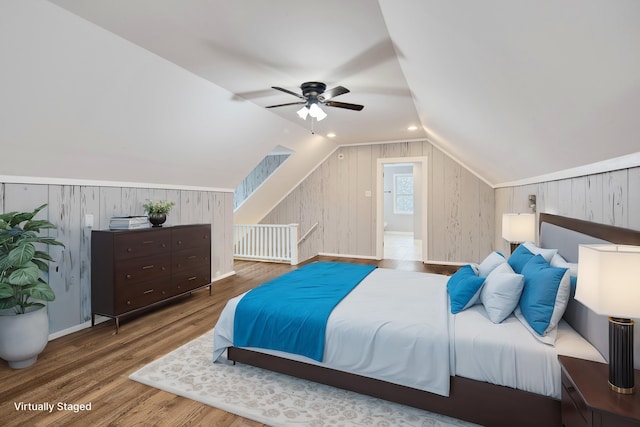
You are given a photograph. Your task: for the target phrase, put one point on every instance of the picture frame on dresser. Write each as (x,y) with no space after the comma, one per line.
(133,270)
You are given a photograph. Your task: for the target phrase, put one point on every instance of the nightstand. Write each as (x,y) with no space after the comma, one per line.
(588,401)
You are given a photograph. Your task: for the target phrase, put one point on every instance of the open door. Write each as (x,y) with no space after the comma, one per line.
(401,209)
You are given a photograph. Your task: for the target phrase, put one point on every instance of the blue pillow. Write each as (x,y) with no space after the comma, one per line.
(544,297)
(464,288)
(519,258)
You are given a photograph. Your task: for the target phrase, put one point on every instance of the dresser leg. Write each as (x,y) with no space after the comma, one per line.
(117,324)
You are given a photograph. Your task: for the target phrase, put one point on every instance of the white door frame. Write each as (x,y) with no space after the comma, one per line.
(423,160)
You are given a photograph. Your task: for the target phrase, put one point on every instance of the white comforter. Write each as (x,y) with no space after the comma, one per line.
(425,344)
(410,350)
(508,354)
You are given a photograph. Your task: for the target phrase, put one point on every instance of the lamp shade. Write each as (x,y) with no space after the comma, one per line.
(609,279)
(518,228)
(303,112)
(316,112)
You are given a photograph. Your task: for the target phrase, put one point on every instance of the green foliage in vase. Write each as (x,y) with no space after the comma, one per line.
(159,207)
(21,262)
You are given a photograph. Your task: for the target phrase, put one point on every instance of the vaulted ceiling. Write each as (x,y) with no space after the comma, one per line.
(512,89)
(549,85)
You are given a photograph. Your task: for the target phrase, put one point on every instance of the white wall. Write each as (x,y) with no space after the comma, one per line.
(83,103)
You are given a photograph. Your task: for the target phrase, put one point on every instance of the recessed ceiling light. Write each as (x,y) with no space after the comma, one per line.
(412,127)
(331,135)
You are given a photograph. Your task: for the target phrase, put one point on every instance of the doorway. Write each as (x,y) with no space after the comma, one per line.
(401,217)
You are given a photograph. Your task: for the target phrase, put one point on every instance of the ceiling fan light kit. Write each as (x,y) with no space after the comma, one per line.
(314,93)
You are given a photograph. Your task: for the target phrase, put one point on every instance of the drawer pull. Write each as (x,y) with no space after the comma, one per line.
(148,292)
(192,278)
(128,276)
(129,249)
(192,257)
(146,242)
(146,267)
(128,302)
(179,242)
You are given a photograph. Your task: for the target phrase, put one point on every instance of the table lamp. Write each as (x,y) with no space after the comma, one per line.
(518,228)
(609,284)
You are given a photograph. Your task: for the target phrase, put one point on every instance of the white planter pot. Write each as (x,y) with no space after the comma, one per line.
(23,337)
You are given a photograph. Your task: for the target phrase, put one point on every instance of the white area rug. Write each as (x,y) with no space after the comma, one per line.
(271,398)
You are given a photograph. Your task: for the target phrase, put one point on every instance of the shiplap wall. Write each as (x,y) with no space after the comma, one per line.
(70,275)
(267,166)
(608,198)
(460,206)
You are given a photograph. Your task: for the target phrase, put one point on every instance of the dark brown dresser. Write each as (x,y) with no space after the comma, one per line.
(135,269)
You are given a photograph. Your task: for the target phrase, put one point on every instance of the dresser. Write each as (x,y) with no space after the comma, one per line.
(134,269)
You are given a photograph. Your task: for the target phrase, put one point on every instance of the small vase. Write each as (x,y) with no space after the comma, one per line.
(157,219)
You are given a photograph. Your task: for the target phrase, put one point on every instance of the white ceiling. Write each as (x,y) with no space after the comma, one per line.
(512,88)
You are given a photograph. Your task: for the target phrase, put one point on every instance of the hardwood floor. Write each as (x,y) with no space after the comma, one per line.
(92,366)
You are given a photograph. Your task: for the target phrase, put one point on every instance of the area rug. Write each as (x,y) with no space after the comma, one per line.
(271,398)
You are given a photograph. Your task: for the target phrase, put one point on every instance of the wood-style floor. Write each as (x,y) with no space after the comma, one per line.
(93,365)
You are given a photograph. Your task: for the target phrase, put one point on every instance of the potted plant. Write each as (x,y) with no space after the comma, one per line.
(157,211)
(24,323)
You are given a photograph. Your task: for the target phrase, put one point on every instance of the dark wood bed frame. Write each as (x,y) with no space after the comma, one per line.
(470,400)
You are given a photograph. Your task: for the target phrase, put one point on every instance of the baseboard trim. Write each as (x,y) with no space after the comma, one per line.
(348,256)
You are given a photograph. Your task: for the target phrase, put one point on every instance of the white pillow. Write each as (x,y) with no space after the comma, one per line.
(547,254)
(501,292)
(559,261)
(492,260)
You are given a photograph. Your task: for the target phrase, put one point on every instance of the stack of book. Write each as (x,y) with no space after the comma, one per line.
(128,222)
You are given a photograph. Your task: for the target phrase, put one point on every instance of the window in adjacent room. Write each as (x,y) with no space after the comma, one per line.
(403,193)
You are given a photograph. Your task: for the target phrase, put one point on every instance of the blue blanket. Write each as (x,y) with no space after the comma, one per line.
(290,312)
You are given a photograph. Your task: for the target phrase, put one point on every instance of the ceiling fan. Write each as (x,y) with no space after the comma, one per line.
(314,93)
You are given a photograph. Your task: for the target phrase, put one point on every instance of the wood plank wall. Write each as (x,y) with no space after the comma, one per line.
(460,206)
(70,276)
(258,175)
(608,198)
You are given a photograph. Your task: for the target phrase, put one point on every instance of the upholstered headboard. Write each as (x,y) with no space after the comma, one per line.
(566,234)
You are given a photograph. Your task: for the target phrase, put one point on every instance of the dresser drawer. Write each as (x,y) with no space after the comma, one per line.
(574,411)
(132,271)
(191,279)
(191,258)
(141,294)
(190,237)
(140,244)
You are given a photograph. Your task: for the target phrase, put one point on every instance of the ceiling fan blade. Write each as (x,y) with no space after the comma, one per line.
(356,107)
(288,91)
(332,93)
(289,103)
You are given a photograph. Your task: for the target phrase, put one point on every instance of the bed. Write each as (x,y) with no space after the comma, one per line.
(469,367)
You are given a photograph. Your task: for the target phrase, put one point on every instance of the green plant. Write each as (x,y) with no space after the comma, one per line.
(20,261)
(159,207)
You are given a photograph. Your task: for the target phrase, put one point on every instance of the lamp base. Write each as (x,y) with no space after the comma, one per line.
(621,373)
